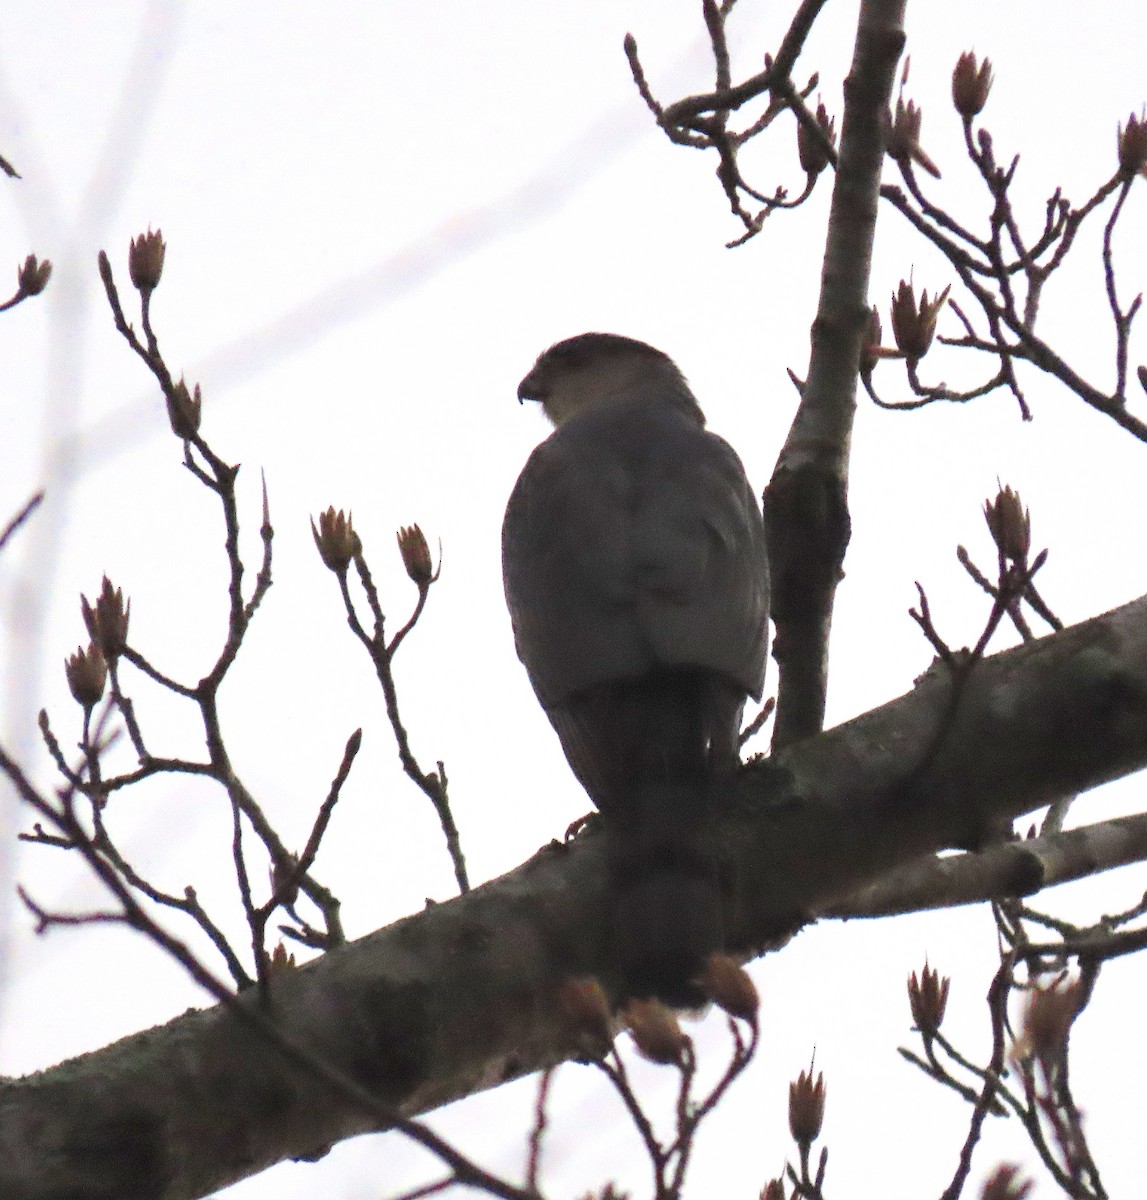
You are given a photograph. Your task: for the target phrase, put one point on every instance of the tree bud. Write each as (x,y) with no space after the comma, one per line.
(145,260)
(728,985)
(928,998)
(106,620)
(283,872)
(914,327)
(1047,1021)
(610,1192)
(336,540)
(184,410)
(1005,1183)
(806,1108)
(32,277)
(813,156)
(585,1013)
(87,675)
(281,960)
(1010,525)
(415,555)
(1132,142)
(656,1032)
(902,137)
(971,84)
(870,348)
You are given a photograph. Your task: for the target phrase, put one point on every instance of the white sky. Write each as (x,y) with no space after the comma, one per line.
(377,215)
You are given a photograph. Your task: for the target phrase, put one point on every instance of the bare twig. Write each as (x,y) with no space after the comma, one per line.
(63,818)
(702,121)
(432,784)
(1006,277)
(986,1102)
(537,1131)
(19,519)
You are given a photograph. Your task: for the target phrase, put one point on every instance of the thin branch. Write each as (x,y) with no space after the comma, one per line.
(465,1170)
(18,520)
(432,784)
(538,1130)
(294,876)
(985,1103)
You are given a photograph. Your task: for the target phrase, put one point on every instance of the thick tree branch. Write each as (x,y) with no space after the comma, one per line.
(460,997)
(806,506)
(1008,869)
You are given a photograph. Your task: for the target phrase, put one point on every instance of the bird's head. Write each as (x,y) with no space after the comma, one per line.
(597,369)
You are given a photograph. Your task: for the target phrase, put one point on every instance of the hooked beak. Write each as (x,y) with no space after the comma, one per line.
(531,388)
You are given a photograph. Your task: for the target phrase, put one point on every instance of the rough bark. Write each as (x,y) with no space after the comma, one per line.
(459,998)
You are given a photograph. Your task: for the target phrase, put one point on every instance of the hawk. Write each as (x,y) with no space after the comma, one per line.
(633,556)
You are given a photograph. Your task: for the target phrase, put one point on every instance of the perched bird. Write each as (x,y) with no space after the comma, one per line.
(633,556)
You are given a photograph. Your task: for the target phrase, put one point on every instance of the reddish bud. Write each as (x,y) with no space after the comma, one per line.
(811,149)
(870,348)
(32,276)
(656,1032)
(610,1192)
(1010,525)
(145,260)
(773,1190)
(106,620)
(928,998)
(902,137)
(914,326)
(87,674)
(728,985)
(184,410)
(1005,1183)
(1132,143)
(971,84)
(416,555)
(806,1108)
(1047,1021)
(585,1014)
(281,960)
(336,539)
(284,879)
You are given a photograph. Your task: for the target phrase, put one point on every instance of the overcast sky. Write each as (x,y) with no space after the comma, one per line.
(377,215)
